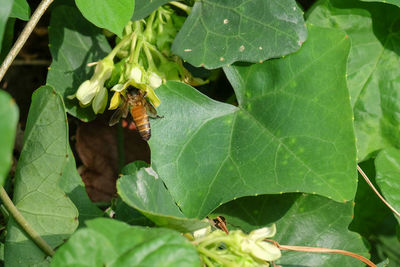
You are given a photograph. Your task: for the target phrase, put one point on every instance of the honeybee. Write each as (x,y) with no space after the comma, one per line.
(140,109)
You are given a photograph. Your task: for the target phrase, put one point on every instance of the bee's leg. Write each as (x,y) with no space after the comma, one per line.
(153,114)
(151,111)
(156,116)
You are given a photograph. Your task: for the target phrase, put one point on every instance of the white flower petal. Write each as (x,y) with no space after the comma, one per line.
(86,91)
(155,81)
(135,74)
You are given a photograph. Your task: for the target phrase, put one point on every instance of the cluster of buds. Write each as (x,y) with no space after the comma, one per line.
(237,248)
(146,62)
(93,91)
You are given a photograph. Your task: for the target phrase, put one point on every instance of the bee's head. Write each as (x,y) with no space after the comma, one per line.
(132,90)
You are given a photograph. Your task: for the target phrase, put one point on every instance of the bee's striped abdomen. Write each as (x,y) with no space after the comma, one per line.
(141,120)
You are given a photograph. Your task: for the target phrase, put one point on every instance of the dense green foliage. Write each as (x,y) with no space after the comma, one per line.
(314,94)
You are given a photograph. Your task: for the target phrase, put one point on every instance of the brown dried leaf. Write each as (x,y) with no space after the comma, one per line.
(96,145)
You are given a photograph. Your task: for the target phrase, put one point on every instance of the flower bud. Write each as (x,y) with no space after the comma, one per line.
(262,233)
(260,249)
(100,101)
(115,101)
(135,73)
(103,70)
(86,92)
(155,80)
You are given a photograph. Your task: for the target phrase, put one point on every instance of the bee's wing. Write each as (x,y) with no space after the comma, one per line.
(151,111)
(116,116)
(120,112)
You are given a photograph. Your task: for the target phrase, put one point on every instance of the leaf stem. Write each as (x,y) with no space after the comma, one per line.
(24,36)
(149,57)
(120,146)
(119,46)
(376,191)
(182,6)
(14,212)
(139,43)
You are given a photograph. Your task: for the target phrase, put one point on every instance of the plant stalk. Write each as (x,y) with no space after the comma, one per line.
(376,191)
(182,6)
(14,212)
(120,147)
(24,36)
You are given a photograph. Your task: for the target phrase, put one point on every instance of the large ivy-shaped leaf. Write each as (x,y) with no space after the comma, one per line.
(110,14)
(388,176)
(36,192)
(393,2)
(71,183)
(373,79)
(5,10)
(143,190)
(218,33)
(8,126)
(115,244)
(143,8)
(20,10)
(301,220)
(74,42)
(289,133)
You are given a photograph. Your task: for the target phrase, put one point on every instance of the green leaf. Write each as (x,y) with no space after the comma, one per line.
(112,243)
(20,10)
(71,183)
(36,192)
(74,43)
(143,8)
(393,2)
(373,79)
(8,127)
(369,210)
(301,220)
(218,33)
(290,133)
(387,165)
(144,191)
(109,14)
(5,10)
(125,213)
(7,39)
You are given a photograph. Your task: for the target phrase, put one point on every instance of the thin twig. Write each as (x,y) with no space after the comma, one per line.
(323,250)
(376,191)
(14,212)
(34,62)
(24,36)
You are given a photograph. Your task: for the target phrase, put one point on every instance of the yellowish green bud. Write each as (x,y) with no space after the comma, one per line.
(100,101)
(152,96)
(136,74)
(118,88)
(115,101)
(260,249)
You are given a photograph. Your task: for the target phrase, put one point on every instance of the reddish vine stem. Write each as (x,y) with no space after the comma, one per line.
(376,191)
(24,36)
(323,250)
